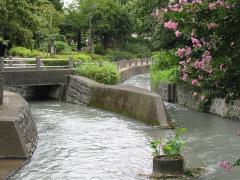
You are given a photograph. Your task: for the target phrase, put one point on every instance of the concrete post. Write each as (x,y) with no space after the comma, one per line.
(1,90)
(10,61)
(147,61)
(70,63)
(118,66)
(38,63)
(136,62)
(2,63)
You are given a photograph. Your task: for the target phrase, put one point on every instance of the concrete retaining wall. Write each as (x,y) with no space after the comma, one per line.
(133,71)
(18,132)
(218,106)
(1,91)
(132,101)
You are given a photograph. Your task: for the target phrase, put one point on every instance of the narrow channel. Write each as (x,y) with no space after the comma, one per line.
(77,142)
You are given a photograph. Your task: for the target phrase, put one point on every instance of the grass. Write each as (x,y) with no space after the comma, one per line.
(104,72)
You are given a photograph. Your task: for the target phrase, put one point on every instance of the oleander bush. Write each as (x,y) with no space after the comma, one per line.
(103,72)
(209,52)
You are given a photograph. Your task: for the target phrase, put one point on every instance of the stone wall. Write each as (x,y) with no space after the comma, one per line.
(18,132)
(132,101)
(231,110)
(166,91)
(218,106)
(184,96)
(133,71)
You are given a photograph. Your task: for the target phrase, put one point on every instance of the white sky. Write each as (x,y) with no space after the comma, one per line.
(66,2)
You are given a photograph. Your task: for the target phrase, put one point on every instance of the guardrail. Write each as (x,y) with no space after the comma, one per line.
(134,62)
(38,63)
(30,64)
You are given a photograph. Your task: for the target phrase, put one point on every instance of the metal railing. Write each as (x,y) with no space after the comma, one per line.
(131,63)
(37,63)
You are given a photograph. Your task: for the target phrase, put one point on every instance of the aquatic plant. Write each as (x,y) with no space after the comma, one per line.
(171,147)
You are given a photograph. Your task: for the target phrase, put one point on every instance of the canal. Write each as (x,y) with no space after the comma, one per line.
(77,142)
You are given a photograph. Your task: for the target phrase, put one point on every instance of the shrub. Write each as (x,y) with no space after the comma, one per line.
(105,72)
(140,50)
(164,60)
(209,52)
(163,76)
(117,55)
(55,62)
(98,49)
(62,47)
(164,68)
(24,52)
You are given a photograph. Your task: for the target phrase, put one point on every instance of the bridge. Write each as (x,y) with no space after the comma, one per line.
(32,72)
(38,78)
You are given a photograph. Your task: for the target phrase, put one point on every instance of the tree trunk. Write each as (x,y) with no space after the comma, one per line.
(105,41)
(79,40)
(2,50)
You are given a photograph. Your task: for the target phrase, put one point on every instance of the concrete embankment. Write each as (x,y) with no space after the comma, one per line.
(18,133)
(128,72)
(132,101)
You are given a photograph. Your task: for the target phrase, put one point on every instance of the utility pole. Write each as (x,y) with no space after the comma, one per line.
(91,36)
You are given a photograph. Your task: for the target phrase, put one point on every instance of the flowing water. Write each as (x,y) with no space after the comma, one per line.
(77,142)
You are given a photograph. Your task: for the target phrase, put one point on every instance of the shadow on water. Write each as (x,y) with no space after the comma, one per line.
(77,142)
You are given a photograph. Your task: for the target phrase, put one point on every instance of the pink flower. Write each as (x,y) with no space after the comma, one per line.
(197,1)
(183,2)
(188,51)
(195,94)
(212,26)
(175,7)
(185,76)
(226,165)
(171,25)
(194,82)
(212,6)
(222,67)
(178,33)
(206,56)
(200,77)
(182,62)
(180,52)
(188,60)
(193,33)
(203,98)
(196,43)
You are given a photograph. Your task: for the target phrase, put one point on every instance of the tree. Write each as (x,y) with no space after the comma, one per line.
(145,24)
(17,24)
(58,4)
(110,21)
(49,21)
(75,23)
